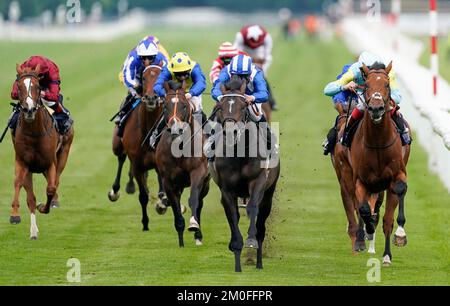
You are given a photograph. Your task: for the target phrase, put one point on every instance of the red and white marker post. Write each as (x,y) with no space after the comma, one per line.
(434,44)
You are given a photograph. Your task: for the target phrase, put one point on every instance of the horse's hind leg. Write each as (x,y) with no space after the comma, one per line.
(31,201)
(114,193)
(162,202)
(21,173)
(198,234)
(62,158)
(376,217)
(263,214)
(130,187)
(400,188)
(388,223)
(256,195)
(50,175)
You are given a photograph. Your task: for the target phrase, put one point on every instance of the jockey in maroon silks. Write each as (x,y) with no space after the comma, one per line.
(50,81)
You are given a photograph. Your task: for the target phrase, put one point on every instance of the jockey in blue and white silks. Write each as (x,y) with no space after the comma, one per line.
(256,91)
(145,54)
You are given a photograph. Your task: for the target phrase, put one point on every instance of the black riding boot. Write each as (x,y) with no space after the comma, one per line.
(330,142)
(125,107)
(14,119)
(402,128)
(62,116)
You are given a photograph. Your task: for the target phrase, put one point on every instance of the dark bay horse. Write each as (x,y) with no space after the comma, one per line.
(189,169)
(38,147)
(140,123)
(378,161)
(243,175)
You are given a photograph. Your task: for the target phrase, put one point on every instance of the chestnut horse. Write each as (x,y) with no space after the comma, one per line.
(344,173)
(38,148)
(378,161)
(243,175)
(182,169)
(140,123)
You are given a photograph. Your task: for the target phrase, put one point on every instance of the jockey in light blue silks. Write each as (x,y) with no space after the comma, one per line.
(353,78)
(145,54)
(256,91)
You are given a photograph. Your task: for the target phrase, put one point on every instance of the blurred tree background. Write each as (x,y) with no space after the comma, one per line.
(36,7)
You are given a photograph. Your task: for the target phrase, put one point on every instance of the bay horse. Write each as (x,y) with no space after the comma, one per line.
(142,120)
(379,161)
(179,171)
(38,148)
(243,175)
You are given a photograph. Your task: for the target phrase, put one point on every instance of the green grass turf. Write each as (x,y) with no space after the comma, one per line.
(444,56)
(307,237)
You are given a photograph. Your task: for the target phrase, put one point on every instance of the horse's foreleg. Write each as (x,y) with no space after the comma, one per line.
(263,214)
(173,195)
(399,188)
(31,201)
(388,223)
(162,202)
(50,175)
(236,244)
(364,208)
(114,194)
(21,172)
(197,178)
(139,175)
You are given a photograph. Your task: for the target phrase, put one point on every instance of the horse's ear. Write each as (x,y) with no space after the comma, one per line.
(365,70)
(38,68)
(160,64)
(223,88)
(243,87)
(18,69)
(166,87)
(389,68)
(184,85)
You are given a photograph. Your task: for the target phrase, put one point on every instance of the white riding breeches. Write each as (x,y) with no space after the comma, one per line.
(196,102)
(255,111)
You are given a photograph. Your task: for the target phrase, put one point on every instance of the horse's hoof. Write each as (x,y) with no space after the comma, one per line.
(33,237)
(251,243)
(371,251)
(160,207)
(55,204)
(41,209)
(399,241)
(113,196)
(183,209)
(130,188)
(360,246)
(386,261)
(193,225)
(198,242)
(14,220)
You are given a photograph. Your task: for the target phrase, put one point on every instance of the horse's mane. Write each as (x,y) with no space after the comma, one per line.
(234,83)
(174,85)
(377,66)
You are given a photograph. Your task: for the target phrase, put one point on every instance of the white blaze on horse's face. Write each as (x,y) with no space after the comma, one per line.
(231,102)
(28,86)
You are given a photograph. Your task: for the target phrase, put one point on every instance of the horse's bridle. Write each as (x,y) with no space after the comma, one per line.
(174,116)
(30,75)
(246,115)
(376,95)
